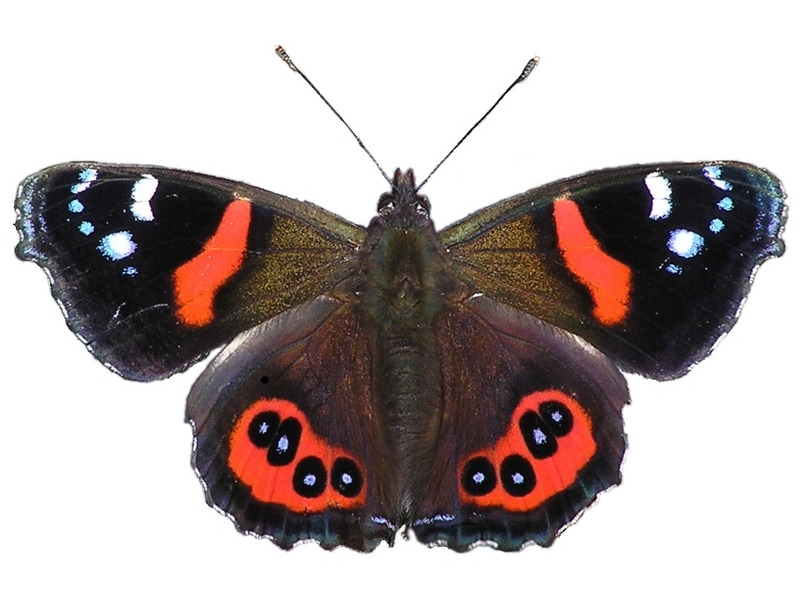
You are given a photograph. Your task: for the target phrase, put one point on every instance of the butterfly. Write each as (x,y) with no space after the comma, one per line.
(464,384)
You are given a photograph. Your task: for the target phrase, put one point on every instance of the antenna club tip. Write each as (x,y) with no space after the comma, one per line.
(284,56)
(530,66)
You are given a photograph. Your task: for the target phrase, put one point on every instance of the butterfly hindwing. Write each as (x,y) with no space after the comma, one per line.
(287,440)
(650,263)
(529,436)
(154,267)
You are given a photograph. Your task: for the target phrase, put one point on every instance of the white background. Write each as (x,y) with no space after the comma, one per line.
(97,498)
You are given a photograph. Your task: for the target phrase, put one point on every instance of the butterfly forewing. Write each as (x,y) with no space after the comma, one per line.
(155,267)
(650,263)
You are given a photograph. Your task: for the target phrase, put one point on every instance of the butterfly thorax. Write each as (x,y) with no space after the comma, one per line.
(405,277)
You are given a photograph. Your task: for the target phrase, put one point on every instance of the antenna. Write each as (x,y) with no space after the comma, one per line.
(530,66)
(285,58)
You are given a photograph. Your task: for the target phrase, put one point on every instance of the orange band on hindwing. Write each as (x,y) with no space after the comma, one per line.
(607,279)
(548,442)
(197,281)
(274,451)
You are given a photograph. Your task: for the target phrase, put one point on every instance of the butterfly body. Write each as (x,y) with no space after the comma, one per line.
(464,384)
(404,287)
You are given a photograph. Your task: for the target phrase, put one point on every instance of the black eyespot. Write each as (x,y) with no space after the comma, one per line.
(262,428)
(557,417)
(517,476)
(540,440)
(285,443)
(479,477)
(264,379)
(310,477)
(346,477)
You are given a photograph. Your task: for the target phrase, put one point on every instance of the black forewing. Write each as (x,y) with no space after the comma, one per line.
(111,237)
(682,298)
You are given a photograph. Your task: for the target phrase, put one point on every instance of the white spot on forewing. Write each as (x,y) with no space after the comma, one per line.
(658,185)
(88,175)
(661,193)
(685,243)
(714,175)
(85,177)
(75,206)
(674,269)
(86,228)
(660,208)
(716,225)
(725,204)
(141,194)
(117,246)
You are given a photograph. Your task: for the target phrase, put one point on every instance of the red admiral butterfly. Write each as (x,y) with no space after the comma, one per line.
(464,384)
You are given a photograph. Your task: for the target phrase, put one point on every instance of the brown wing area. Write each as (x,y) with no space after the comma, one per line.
(531,430)
(291,262)
(517,259)
(286,439)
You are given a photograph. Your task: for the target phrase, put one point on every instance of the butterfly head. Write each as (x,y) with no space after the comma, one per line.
(403,199)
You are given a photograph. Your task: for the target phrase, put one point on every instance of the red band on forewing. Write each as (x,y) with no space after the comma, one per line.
(196,282)
(273,484)
(607,279)
(553,474)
